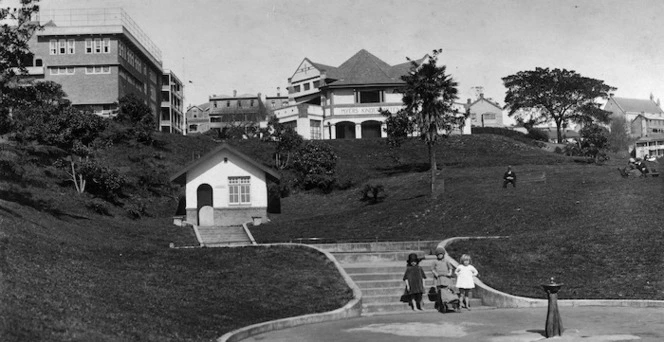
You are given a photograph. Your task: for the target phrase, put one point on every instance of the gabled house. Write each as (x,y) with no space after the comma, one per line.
(343,102)
(645,122)
(198,118)
(226,187)
(485,112)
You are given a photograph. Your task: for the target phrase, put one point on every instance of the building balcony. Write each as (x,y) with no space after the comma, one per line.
(300,110)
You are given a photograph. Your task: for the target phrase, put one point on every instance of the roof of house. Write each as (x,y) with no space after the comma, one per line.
(482,98)
(636,105)
(202,107)
(180,177)
(364,68)
(227,97)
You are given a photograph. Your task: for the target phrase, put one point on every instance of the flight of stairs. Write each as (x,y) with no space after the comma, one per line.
(378,271)
(216,236)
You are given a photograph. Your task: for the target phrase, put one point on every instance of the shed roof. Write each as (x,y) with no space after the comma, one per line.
(180,176)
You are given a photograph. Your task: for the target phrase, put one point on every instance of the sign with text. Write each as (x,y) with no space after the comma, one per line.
(364,110)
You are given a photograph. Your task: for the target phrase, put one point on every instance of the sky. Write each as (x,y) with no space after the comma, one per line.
(254,46)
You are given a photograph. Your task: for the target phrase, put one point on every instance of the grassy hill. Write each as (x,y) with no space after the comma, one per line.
(70,271)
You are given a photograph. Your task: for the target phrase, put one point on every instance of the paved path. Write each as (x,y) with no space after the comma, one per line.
(582,324)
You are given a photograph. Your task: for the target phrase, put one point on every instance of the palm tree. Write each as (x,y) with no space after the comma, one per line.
(429,96)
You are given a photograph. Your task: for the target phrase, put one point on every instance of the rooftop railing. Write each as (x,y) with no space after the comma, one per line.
(99,17)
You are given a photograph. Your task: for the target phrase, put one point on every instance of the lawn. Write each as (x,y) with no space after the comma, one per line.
(71,273)
(67,274)
(581,223)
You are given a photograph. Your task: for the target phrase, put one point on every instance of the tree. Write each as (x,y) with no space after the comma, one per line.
(286,141)
(428,97)
(315,166)
(138,116)
(557,95)
(14,36)
(594,140)
(619,139)
(15,33)
(398,127)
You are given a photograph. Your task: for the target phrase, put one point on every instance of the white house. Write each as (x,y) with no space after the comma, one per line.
(225,187)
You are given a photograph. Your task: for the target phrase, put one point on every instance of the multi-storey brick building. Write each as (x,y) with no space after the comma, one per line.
(98,56)
(172,119)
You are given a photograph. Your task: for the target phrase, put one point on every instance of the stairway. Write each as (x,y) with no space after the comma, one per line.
(217,236)
(378,271)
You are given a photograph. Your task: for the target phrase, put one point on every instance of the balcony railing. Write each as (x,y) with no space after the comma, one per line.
(99,17)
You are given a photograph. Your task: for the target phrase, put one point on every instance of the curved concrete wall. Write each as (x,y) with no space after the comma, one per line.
(492,297)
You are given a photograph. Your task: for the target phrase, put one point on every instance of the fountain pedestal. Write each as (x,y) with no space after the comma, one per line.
(554,324)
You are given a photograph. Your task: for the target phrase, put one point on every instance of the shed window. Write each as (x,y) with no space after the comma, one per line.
(239,190)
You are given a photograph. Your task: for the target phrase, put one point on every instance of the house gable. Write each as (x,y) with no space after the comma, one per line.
(306,70)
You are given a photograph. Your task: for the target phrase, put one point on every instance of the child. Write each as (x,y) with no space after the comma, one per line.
(442,274)
(414,279)
(465,273)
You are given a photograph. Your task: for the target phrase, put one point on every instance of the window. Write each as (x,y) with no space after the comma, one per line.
(372,96)
(53,47)
(307,86)
(228,103)
(315,129)
(107,45)
(97,45)
(252,103)
(214,103)
(296,89)
(62,46)
(104,69)
(239,103)
(70,46)
(316,84)
(121,50)
(239,190)
(62,71)
(88,46)
(39,62)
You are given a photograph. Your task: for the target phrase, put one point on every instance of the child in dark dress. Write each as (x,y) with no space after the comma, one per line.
(414,279)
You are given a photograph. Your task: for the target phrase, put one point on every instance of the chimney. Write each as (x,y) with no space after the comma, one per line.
(481,95)
(468,102)
(278,91)
(234,93)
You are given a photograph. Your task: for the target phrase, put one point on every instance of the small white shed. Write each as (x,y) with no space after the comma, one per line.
(226,187)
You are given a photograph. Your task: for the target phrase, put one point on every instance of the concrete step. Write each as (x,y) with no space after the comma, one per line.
(394,298)
(378,257)
(368,284)
(426,246)
(225,244)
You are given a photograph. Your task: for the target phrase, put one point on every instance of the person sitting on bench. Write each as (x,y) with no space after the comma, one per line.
(509,177)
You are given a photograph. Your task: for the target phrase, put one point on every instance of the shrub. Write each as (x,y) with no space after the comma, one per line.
(314,165)
(101,180)
(537,134)
(371,192)
(99,207)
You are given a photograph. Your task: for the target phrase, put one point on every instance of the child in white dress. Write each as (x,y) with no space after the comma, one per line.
(465,273)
